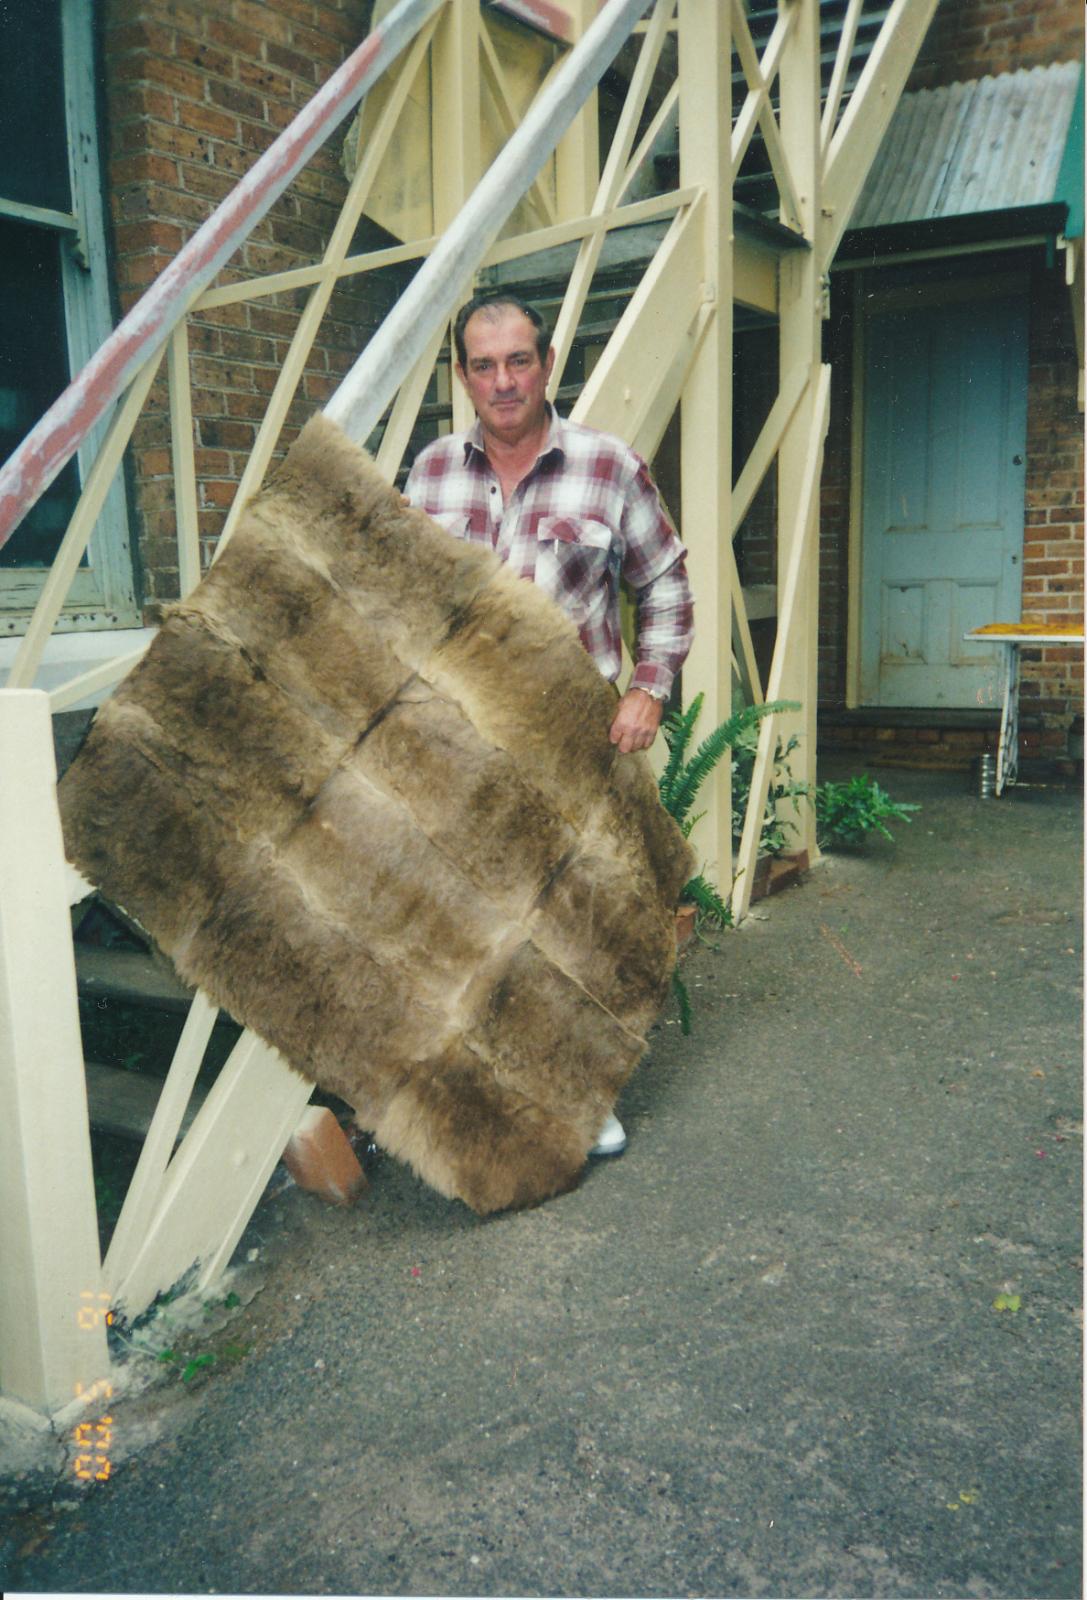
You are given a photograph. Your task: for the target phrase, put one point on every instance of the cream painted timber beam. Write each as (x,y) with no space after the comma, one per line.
(508,117)
(803,546)
(51,1348)
(754,276)
(639,355)
(144,1191)
(705,123)
(857,138)
(183,460)
(839,74)
(213,1183)
(757,107)
(800,348)
(456,159)
(611,185)
(767,444)
(577,155)
(658,413)
(743,647)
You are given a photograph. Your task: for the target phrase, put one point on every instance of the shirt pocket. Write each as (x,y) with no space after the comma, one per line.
(471,526)
(574,562)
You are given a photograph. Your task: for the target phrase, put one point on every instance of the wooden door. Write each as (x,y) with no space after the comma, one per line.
(944,448)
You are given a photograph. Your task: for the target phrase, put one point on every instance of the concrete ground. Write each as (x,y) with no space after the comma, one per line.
(759,1354)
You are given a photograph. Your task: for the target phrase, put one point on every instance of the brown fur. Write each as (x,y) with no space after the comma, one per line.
(361,792)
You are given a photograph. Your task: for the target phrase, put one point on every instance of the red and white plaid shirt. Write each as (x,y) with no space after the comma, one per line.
(586,515)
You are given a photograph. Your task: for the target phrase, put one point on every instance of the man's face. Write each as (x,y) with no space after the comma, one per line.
(503,374)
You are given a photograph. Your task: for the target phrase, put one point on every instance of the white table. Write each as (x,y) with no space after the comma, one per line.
(1011,635)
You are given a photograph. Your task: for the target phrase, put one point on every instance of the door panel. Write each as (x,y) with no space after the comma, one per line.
(945,426)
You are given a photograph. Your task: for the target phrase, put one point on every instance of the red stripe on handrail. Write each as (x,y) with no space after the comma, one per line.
(30,470)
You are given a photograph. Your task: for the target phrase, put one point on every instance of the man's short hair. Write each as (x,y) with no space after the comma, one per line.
(498,299)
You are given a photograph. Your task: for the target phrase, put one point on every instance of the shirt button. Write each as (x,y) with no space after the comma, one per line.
(494,489)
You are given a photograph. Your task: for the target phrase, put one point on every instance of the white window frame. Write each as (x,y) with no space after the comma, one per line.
(103,594)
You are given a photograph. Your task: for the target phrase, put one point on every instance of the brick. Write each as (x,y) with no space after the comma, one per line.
(208,181)
(184,19)
(219,124)
(154,463)
(217,492)
(143,270)
(141,37)
(349,29)
(129,100)
(292,61)
(205,58)
(231,97)
(265,80)
(248,346)
(227,435)
(262,20)
(1044,569)
(320,1159)
(143,167)
(136,236)
(240,40)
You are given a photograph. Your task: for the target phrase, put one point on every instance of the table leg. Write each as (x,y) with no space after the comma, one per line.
(1007,754)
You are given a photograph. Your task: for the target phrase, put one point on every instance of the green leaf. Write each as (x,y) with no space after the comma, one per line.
(677,734)
(701,893)
(196,1364)
(689,781)
(846,813)
(1007,1302)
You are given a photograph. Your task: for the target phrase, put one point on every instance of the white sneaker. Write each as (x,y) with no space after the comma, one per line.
(612,1140)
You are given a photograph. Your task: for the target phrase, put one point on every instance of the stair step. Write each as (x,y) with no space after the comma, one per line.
(130,976)
(123,1103)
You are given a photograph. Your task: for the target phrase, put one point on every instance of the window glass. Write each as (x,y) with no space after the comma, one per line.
(33,138)
(33,371)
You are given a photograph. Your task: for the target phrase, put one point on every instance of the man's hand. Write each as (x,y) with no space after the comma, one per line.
(636,721)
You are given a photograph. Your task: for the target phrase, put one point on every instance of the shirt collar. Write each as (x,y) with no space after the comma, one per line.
(554,440)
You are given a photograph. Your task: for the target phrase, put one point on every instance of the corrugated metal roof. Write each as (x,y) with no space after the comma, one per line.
(989,145)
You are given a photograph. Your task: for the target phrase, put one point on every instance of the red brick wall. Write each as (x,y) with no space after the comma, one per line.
(194,93)
(980,38)
(1052,678)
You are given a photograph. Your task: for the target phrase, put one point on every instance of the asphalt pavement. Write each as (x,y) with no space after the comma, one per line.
(818,1331)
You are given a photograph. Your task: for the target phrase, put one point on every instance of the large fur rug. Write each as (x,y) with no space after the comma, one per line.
(361,792)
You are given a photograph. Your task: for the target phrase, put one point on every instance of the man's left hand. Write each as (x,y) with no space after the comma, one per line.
(636,721)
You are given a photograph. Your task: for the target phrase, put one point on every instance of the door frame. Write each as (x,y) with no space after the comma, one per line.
(875,291)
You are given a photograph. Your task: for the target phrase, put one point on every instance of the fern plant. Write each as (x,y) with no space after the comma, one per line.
(845,813)
(684,775)
(782,786)
(679,785)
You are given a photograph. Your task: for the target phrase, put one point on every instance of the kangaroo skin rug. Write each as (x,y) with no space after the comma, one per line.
(360,791)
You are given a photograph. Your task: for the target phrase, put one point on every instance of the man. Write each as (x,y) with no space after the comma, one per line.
(569,508)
